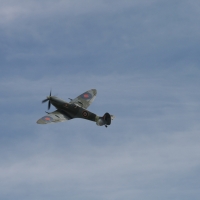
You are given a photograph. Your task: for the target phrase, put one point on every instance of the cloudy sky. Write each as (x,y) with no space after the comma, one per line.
(142,56)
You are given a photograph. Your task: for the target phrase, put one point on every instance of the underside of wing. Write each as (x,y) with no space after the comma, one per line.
(53,117)
(85,99)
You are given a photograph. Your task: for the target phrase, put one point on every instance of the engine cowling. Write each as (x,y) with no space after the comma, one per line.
(105,120)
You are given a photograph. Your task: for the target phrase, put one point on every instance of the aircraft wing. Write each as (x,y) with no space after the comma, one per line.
(85,99)
(53,117)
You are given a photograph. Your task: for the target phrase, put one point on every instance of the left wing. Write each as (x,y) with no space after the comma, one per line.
(53,117)
(85,99)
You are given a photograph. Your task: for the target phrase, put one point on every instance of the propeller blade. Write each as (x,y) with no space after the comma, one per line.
(49,105)
(45,100)
(48,99)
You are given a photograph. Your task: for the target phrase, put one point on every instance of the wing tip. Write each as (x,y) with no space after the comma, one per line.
(40,121)
(94,91)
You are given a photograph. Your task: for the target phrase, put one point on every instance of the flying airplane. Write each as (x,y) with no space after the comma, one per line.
(76,108)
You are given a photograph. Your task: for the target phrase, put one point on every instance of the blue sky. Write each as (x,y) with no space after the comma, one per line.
(143,59)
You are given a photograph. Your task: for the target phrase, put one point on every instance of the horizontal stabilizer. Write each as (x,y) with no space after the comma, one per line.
(105,120)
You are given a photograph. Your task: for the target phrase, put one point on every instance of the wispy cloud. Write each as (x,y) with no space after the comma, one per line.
(142,57)
(145,137)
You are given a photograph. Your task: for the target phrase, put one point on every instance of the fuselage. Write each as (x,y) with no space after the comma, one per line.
(72,110)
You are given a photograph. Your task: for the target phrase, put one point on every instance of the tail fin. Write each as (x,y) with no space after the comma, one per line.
(105,120)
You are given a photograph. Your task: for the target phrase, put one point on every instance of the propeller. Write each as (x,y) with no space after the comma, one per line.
(48,99)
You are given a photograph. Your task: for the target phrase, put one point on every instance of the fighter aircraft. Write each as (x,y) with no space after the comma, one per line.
(76,108)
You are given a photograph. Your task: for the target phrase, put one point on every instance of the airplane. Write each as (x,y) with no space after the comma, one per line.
(76,108)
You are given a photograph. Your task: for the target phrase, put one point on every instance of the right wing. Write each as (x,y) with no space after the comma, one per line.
(53,117)
(85,99)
